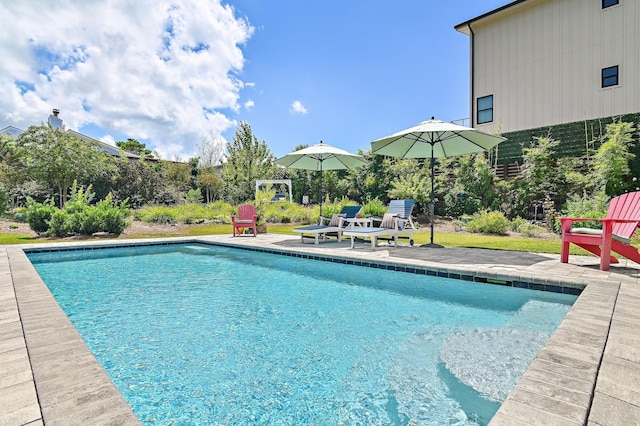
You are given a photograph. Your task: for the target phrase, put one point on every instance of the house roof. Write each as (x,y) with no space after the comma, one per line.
(11,131)
(112,150)
(56,122)
(463,27)
(115,151)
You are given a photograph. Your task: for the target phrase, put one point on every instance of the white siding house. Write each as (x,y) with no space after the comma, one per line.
(538,63)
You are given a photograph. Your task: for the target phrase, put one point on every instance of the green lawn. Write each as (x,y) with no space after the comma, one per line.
(471,240)
(447,239)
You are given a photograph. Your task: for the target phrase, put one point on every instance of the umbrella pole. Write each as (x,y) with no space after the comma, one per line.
(433,197)
(321,190)
(432,206)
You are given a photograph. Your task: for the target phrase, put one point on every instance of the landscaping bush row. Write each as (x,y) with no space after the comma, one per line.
(78,216)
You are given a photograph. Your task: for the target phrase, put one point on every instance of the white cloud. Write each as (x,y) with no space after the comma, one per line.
(109,140)
(249,104)
(148,69)
(298,108)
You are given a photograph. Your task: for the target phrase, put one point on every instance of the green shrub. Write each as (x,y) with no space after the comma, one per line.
(193,196)
(39,215)
(458,225)
(20,214)
(156,214)
(218,212)
(517,223)
(487,222)
(530,230)
(587,205)
(113,217)
(374,207)
(221,208)
(4,201)
(59,224)
(163,219)
(77,216)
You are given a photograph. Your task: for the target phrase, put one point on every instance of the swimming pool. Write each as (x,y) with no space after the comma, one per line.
(204,335)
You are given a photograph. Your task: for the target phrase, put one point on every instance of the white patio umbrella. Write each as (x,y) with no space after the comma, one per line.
(321,157)
(434,139)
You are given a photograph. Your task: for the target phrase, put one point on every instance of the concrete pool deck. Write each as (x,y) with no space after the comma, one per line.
(588,373)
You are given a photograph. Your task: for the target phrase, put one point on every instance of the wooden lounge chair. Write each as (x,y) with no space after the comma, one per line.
(623,217)
(328,226)
(246,218)
(389,229)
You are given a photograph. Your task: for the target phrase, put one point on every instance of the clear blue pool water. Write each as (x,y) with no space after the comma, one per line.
(196,334)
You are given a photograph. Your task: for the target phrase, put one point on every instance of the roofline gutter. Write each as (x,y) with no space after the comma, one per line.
(467,24)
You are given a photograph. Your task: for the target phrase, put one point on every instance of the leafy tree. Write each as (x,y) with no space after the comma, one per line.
(611,162)
(411,180)
(540,168)
(7,145)
(370,181)
(413,186)
(134,147)
(138,181)
(211,182)
(542,177)
(4,200)
(471,188)
(178,175)
(17,184)
(58,158)
(248,159)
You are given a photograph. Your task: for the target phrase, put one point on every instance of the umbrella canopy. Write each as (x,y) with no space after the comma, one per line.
(434,139)
(321,157)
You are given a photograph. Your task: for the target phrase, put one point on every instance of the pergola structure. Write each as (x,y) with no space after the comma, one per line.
(283,181)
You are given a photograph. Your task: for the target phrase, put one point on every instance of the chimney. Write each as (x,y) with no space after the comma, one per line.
(54,121)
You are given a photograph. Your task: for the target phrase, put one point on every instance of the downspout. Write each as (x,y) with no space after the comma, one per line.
(473,75)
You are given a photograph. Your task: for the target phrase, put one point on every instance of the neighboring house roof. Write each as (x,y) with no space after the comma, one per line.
(113,150)
(463,27)
(11,131)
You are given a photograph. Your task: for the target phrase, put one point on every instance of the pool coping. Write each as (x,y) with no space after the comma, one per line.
(585,374)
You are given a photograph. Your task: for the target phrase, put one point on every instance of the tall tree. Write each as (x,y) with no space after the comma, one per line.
(211,182)
(211,150)
(57,158)
(611,162)
(248,159)
(134,147)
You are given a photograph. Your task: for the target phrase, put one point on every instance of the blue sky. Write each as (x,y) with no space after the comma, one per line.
(361,70)
(170,73)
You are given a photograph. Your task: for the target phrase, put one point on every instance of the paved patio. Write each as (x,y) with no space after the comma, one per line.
(588,373)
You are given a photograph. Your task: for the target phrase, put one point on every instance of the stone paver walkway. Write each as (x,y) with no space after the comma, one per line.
(588,373)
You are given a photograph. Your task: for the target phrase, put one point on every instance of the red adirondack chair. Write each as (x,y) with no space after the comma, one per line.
(623,217)
(246,218)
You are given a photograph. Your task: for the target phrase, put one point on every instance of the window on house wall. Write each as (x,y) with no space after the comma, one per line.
(610,76)
(485,109)
(608,3)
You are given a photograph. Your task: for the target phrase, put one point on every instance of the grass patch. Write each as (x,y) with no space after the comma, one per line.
(17,239)
(493,242)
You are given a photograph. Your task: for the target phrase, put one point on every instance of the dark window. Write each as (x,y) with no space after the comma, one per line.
(485,109)
(608,3)
(610,76)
